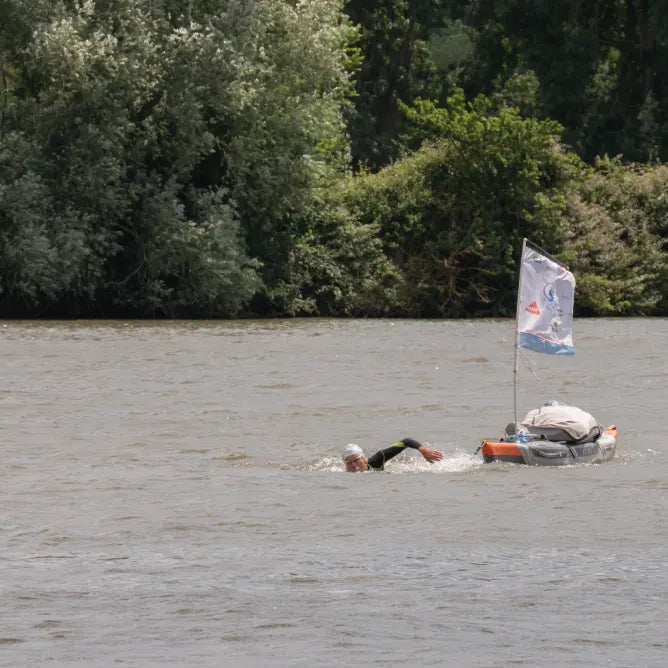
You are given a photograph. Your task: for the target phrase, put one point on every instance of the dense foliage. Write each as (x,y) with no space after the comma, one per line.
(321,157)
(452,215)
(618,222)
(599,66)
(397,68)
(150,161)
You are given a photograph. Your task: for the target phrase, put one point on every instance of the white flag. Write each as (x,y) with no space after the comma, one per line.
(545,310)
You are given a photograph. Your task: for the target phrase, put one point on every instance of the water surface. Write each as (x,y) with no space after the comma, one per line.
(172,495)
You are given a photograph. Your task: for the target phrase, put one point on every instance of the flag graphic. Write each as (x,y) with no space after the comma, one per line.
(533,308)
(547,289)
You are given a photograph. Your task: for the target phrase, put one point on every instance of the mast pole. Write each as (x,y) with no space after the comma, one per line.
(517,336)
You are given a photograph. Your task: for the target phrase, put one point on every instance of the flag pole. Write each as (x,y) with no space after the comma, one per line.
(517,336)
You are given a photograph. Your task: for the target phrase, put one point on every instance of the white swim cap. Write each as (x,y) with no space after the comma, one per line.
(351,450)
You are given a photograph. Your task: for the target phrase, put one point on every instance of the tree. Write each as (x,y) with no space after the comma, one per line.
(600,66)
(452,215)
(618,223)
(396,68)
(153,153)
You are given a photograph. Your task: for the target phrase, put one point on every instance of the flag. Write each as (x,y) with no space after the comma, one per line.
(545,303)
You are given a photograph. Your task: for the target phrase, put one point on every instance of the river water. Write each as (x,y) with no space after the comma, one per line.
(171,494)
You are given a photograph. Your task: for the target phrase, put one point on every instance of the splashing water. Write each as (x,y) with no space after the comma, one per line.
(457,462)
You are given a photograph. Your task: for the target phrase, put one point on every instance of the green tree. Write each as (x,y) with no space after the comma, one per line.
(599,64)
(618,239)
(452,216)
(396,68)
(153,154)
(338,267)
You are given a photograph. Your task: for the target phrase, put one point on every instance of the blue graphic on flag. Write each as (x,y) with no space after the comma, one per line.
(541,345)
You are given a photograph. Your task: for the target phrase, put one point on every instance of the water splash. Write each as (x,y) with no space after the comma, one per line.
(457,462)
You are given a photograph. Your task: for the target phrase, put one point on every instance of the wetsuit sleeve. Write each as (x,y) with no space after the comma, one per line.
(378,460)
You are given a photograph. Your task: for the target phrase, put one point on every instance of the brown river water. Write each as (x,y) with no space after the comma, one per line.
(171,494)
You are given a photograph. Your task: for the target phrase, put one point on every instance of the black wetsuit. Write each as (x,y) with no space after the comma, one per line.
(377,462)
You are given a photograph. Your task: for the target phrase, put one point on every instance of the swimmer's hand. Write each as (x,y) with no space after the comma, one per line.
(430,455)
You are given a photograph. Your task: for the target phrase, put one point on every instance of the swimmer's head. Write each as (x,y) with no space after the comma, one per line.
(353,457)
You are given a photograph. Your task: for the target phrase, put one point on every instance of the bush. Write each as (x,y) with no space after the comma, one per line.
(337,267)
(151,161)
(452,216)
(618,217)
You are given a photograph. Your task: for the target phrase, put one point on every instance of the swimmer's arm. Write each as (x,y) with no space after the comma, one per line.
(378,460)
(430,455)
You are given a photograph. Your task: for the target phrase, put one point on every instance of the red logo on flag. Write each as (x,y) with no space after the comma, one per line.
(533,308)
